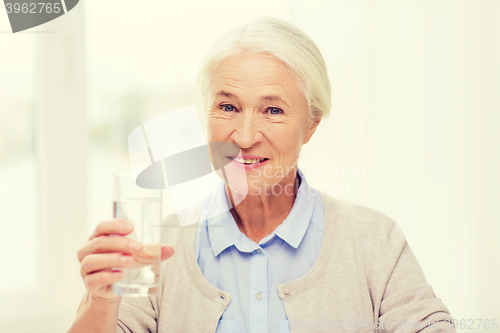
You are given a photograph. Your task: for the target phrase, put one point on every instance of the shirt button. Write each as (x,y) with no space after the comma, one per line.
(258,296)
(287,291)
(259,250)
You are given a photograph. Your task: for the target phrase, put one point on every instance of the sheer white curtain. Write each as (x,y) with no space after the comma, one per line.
(111,65)
(18,167)
(42,166)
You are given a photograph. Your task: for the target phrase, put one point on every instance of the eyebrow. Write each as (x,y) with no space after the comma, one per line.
(267,98)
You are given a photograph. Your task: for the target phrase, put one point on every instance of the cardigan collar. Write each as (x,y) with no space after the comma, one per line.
(285,290)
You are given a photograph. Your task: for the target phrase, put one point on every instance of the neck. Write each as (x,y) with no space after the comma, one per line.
(259,215)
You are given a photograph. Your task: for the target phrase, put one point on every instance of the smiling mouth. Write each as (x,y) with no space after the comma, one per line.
(248,161)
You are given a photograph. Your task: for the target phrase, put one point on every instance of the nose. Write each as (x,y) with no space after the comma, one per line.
(247,133)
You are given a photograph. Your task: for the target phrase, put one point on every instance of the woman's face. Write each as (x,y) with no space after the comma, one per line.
(259,108)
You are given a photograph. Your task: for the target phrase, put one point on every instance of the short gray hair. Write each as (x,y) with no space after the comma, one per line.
(281,40)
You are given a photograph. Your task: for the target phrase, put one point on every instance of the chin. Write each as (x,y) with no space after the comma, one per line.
(236,181)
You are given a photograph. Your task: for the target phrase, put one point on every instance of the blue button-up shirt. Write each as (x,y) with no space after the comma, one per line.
(251,272)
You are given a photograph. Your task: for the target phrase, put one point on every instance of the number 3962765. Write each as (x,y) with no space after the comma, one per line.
(33,8)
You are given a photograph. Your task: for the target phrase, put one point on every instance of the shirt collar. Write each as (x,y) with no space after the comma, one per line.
(224,232)
(293,229)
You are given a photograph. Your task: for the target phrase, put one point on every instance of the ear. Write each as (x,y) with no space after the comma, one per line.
(312,128)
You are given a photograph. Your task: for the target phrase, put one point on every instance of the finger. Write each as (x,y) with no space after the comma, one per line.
(108,244)
(84,274)
(114,269)
(166,252)
(97,283)
(112,227)
(96,262)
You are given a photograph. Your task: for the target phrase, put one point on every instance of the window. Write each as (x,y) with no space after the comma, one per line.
(71,91)
(43,139)
(19,193)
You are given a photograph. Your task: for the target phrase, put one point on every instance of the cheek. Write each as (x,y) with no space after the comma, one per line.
(215,129)
(287,142)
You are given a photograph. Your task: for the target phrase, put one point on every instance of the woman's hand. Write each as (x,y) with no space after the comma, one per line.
(107,248)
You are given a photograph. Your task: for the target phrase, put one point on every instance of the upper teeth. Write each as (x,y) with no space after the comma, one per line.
(242,160)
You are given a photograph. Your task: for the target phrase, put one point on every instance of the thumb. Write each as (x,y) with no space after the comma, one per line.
(166,252)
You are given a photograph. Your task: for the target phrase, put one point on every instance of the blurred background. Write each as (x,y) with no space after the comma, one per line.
(413,131)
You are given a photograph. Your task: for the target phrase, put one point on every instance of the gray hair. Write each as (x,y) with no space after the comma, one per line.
(278,39)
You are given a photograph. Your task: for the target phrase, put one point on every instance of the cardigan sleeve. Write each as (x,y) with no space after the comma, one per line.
(137,315)
(408,300)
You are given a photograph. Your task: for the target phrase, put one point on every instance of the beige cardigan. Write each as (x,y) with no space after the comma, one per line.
(364,279)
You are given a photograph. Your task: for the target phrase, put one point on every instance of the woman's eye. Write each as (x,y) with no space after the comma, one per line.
(227,107)
(275,110)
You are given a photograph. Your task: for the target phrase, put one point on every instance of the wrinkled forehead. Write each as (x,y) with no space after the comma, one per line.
(260,74)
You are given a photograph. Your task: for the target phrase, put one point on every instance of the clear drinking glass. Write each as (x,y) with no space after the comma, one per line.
(142,208)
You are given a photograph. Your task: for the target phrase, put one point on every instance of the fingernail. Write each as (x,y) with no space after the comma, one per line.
(125,227)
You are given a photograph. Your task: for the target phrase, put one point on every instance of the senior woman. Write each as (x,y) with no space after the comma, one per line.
(286,257)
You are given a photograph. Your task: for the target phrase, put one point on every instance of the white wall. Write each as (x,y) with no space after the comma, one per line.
(416,94)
